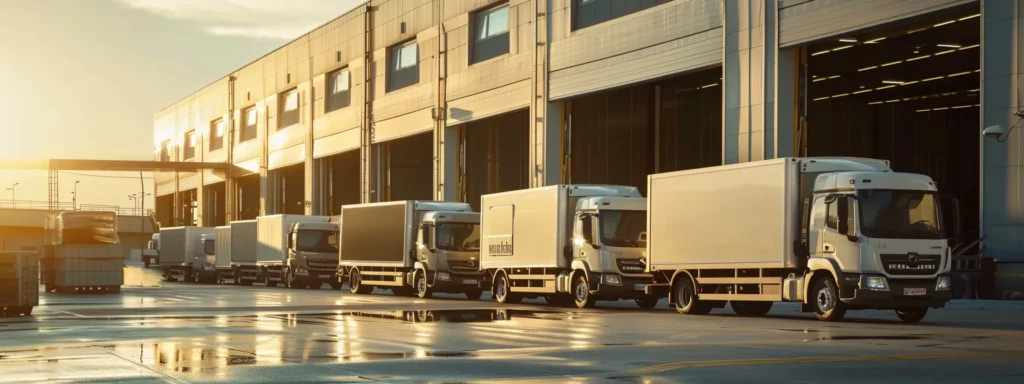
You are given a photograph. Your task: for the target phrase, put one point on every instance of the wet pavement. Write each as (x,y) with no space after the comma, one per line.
(156,332)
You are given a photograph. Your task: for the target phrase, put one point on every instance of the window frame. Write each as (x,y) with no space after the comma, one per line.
(217,142)
(574,8)
(189,145)
(340,100)
(245,127)
(390,72)
(476,40)
(293,116)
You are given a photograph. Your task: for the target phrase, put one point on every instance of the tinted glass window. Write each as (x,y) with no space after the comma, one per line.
(491,37)
(337,91)
(591,12)
(404,66)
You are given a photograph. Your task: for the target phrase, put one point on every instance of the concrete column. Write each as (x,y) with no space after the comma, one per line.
(545,116)
(449,164)
(1002,84)
(785,103)
(749,78)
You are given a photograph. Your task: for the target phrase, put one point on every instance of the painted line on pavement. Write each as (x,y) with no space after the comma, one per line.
(815,359)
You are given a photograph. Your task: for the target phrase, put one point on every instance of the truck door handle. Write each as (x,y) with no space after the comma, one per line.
(827,248)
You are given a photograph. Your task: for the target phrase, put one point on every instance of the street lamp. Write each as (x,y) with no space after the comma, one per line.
(13,200)
(134,199)
(74,197)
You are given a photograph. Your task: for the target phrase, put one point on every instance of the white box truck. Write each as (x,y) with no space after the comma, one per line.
(151,255)
(298,251)
(832,233)
(566,243)
(222,253)
(411,247)
(181,252)
(243,261)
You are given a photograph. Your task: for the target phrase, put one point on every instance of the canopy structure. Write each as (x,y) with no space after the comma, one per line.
(53,166)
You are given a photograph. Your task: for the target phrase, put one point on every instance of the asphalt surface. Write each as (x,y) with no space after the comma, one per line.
(174,332)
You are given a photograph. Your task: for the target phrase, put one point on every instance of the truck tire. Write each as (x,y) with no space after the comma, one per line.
(751,308)
(648,302)
(290,281)
(911,315)
(422,288)
(825,300)
(355,283)
(581,292)
(474,293)
(501,291)
(687,301)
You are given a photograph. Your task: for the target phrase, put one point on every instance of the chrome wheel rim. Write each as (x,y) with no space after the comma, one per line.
(684,295)
(501,289)
(581,292)
(421,284)
(825,299)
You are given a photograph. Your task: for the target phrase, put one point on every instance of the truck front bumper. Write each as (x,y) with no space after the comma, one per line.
(631,287)
(902,293)
(321,275)
(458,283)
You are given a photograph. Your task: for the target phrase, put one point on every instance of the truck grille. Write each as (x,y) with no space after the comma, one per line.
(463,266)
(911,264)
(322,264)
(630,265)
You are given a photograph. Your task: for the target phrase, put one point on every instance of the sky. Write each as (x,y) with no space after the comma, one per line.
(81,79)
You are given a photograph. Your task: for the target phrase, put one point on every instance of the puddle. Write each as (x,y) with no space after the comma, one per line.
(427,316)
(893,337)
(800,330)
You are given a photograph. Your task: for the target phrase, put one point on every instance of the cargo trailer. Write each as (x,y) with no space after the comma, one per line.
(82,253)
(831,233)
(181,252)
(297,251)
(411,247)
(571,244)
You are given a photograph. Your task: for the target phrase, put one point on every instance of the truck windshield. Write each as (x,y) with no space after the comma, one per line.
(624,228)
(317,241)
(458,236)
(209,248)
(899,214)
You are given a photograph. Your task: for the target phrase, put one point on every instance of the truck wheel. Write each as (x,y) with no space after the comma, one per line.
(686,299)
(648,302)
(290,281)
(355,283)
(751,308)
(581,292)
(827,306)
(474,293)
(911,315)
(422,288)
(502,294)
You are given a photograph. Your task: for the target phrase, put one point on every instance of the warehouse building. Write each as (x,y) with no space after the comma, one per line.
(449,100)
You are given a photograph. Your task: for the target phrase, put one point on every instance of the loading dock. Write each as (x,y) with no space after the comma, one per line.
(404,168)
(248,188)
(289,186)
(340,181)
(213,204)
(907,91)
(493,156)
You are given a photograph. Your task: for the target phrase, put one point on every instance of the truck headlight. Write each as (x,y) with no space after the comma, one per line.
(874,283)
(301,271)
(943,283)
(445,276)
(612,279)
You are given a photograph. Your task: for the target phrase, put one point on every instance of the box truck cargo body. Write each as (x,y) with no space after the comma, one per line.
(222,253)
(151,254)
(243,252)
(566,243)
(800,229)
(297,251)
(181,252)
(379,248)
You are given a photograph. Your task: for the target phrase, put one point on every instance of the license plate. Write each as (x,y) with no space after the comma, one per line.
(324,276)
(639,287)
(914,291)
(469,281)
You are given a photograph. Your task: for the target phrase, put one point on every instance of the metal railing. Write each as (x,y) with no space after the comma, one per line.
(45,205)
(28,204)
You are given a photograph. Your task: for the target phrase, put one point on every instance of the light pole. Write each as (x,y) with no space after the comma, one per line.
(134,200)
(13,200)
(74,197)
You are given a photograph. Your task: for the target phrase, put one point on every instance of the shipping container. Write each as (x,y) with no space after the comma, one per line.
(19,283)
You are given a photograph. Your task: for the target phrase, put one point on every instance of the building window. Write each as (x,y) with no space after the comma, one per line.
(403,66)
(249,119)
(338,95)
(190,145)
(491,37)
(217,129)
(288,109)
(165,151)
(590,12)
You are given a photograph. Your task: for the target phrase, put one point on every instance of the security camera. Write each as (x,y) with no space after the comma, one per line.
(995,131)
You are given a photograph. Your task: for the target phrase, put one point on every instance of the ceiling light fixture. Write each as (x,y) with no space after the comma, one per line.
(867,69)
(970,17)
(898,82)
(919,57)
(848,40)
(892,63)
(874,41)
(945,52)
(948,45)
(944,23)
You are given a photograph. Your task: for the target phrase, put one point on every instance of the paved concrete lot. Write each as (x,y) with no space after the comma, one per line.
(205,333)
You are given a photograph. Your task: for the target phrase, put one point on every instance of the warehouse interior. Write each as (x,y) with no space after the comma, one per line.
(289,187)
(341,180)
(213,204)
(405,168)
(248,197)
(622,135)
(188,203)
(165,210)
(907,92)
(493,156)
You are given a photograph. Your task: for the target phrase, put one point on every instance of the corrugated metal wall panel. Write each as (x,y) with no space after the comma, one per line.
(210,178)
(188,180)
(164,183)
(286,157)
(405,125)
(490,103)
(812,20)
(336,143)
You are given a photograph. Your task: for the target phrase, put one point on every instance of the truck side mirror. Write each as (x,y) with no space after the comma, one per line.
(426,238)
(846,226)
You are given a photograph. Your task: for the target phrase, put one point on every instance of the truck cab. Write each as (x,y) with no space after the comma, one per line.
(151,254)
(885,236)
(313,254)
(610,247)
(205,263)
(447,254)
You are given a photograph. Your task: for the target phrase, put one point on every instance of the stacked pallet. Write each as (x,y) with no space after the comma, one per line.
(19,283)
(82,254)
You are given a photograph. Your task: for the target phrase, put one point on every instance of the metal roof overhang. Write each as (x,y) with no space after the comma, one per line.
(114,165)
